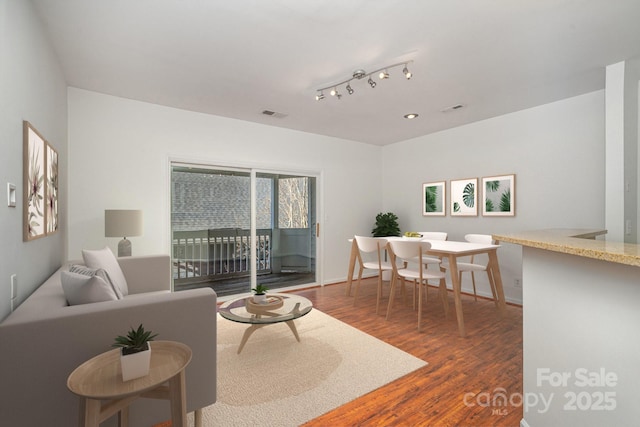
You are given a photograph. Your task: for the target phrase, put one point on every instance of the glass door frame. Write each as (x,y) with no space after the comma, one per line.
(254,171)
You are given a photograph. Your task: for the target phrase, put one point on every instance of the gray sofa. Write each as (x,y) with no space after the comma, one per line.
(45,339)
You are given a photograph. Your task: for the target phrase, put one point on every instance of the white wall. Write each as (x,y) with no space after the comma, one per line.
(33,89)
(119,159)
(632,76)
(621,177)
(556,152)
(615,176)
(120,150)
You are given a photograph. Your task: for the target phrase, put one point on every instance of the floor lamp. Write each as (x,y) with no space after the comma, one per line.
(123,223)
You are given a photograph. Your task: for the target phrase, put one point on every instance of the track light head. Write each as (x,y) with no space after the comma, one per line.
(333,92)
(371,83)
(406,72)
(349,89)
(383,75)
(319,96)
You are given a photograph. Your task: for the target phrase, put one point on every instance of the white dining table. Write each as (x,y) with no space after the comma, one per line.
(451,250)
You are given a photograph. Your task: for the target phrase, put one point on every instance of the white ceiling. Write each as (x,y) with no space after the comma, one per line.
(238,58)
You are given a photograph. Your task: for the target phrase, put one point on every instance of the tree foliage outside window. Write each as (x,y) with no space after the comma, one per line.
(293,202)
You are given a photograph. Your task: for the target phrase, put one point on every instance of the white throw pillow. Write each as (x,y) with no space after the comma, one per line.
(81,289)
(106,260)
(86,271)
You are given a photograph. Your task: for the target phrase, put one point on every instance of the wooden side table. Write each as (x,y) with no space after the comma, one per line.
(100,379)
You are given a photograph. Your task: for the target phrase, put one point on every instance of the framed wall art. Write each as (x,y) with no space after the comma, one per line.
(433,199)
(464,197)
(499,195)
(40,181)
(51,190)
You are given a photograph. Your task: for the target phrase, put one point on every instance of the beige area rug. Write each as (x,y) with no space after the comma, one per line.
(277,381)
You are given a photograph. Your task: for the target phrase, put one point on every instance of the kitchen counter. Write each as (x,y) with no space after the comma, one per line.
(576,241)
(580,317)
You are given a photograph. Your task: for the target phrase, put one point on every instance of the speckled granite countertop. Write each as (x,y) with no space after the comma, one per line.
(576,241)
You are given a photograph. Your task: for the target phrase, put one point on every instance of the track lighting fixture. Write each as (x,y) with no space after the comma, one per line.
(360,74)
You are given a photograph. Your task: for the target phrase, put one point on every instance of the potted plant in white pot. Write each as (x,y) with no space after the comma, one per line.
(135,352)
(260,294)
(386,225)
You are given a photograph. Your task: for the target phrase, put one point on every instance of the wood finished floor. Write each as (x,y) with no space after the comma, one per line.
(485,364)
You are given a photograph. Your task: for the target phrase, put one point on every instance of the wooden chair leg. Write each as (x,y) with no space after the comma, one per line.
(379,292)
(420,307)
(355,296)
(197,417)
(403,291)
(415,291)
(444,297)
(473,280)
(492,283)
(426,291)
(392,292)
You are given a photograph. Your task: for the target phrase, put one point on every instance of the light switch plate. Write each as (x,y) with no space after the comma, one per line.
(11,195)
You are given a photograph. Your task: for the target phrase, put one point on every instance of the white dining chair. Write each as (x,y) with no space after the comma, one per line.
(433,235)
(473,266)
(410,254)
(368,246)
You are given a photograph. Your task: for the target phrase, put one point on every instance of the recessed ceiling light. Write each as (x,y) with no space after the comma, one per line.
(411,116)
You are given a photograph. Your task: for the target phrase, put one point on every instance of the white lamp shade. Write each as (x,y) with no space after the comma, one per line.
(122,223)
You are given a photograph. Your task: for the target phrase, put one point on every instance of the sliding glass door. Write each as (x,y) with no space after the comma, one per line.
(234,228)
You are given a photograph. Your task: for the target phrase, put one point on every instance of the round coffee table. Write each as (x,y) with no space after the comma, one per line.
(278,308)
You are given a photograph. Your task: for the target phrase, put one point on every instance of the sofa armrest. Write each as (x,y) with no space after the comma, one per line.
(37,356)
(147,273)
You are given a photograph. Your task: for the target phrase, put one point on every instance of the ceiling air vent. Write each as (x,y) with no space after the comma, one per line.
(452,108)
(274,114)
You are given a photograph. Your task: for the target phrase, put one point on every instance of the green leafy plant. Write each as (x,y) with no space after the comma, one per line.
(456,207)
(136,340)
(468,195)
(431,194)
(386,225)
(260,289)
(492,186)
(505,201)
(488,205)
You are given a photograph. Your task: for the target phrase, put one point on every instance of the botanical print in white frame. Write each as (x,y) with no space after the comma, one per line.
(499,195)
(434,199)
(464,197)
(34,170)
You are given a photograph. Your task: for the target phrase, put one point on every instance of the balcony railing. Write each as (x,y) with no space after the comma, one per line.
(209,255)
